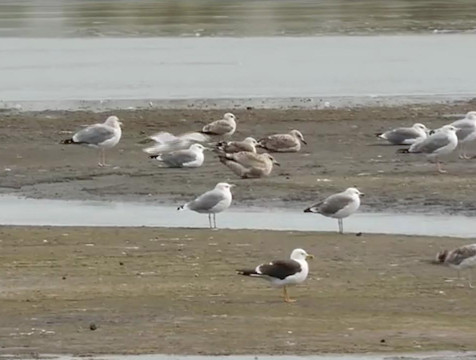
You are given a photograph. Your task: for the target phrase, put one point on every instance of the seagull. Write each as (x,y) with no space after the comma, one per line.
(248,144)
(282,273)
(225,126)
(249,165)
(441,142)
(101,136)
(211,202)
(460,258)
(191,158)
(338,206)
(405,135)
(465,131)
(283,142)
(166,142)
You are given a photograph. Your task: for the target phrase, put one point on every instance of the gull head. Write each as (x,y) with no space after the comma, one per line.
(354,192)
(471,115)
(272,159)
(300,254)
(224,186)
(298,134)
(251,140)
(197,147)
(113,121)
(422,127)
(449,128)
(441,256)
(229,117)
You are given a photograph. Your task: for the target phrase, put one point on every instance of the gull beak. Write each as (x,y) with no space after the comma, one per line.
(361,194)
(276,163)
(121,123)
(303,141)
(309,256)
(232,185)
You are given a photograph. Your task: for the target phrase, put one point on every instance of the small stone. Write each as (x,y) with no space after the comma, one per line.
(64,277)
(382,341)
(92,326)
(121,263)
(358,234)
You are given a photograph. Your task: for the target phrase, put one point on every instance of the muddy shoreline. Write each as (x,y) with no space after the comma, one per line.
(175,291)
(342,152)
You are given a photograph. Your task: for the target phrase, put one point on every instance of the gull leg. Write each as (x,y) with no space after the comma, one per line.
(210,220)
(341,225)
(438,167)
(286,296)
(100,164)
(470,276)
(462,154)
(214,220)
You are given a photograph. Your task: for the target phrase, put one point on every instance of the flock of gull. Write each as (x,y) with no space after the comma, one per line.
(243,159)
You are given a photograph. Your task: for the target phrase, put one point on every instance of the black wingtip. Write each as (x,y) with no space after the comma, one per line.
(308,210)
(403,151)
(153,156)
(378,134)
(67,141)
(180,207)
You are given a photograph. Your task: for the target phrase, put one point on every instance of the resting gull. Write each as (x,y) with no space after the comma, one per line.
(338,206)
(102,136)
(249,165)
(167,142)
(460,259)
(282,273)
(211,202)
(190,158)
(440,143)
(405,135)
(225,126)
(248,144)
(283,142)
(465,131)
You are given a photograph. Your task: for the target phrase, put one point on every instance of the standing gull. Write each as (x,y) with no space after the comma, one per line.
(465,131)
(249,165)
(211,202)
(225,126)
(442,142)
(283,142)
(460,259)
(338,206)
(102,136)
(282,273)
(191,158)
(248,144)
(167,142)
(405,135)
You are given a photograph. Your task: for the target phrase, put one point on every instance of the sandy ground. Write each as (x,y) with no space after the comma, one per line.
(175,291)
(343,151)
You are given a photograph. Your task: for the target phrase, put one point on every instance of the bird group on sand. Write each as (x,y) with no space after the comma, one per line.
(246,159)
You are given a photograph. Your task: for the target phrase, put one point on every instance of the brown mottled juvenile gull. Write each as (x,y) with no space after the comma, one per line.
(225,126)
(405,135)
(249,165)
(338,206)
(283,273)
(461,258)
(212,202)
(248,144)
(101,136)
(442,142)
(283,142)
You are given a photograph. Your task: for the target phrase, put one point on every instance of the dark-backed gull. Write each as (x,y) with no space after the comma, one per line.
(282,273)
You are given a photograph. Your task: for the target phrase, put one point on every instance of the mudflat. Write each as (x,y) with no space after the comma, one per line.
(150,290)
(342,151)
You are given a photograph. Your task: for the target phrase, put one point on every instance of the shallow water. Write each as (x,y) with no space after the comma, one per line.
(18,211)
(318,69)
(99,18)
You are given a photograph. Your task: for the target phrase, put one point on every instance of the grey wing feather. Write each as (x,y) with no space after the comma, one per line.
(431,144)
(280,269)
(178,158)
(397,136)
(94,134)
(333,204)
(465,127)
(206,201)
